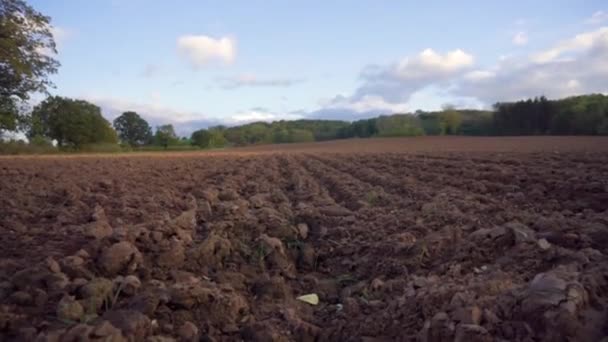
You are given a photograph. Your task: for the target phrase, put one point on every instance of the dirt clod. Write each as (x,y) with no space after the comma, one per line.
(120,257)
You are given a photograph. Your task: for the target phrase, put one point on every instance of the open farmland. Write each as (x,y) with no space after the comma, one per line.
(433,239)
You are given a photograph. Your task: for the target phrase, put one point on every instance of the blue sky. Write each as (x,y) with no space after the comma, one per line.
(195,63)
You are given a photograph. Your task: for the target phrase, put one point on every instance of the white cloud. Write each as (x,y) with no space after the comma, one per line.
(184,121)
(200,50)
(386,89)
(598,17)
(573,66)
(430,64)
(365,104)
(396,82)
(152,110)
(578,43)
(477,75)
(520,38)
(261,114)
(251,80)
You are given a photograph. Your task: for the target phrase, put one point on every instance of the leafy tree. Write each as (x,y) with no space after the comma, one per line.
(399,125)
(26,45)
(8,114)
(300,135)
(450,121)
(430,123)
(165,136)
(201,138)
(133,129)
(71,122)
(572,115)
(603,129)
(217,139)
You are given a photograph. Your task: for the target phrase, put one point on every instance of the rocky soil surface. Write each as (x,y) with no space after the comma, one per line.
(428,247)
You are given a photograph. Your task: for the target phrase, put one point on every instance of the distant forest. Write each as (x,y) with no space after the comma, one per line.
(578,115)
(76,125)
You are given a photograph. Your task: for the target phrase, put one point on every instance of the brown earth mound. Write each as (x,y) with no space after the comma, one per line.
(448,246)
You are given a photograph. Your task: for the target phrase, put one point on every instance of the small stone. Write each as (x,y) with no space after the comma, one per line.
(132,323)
(105,329)
(521,232)
(98,230)
(172,256)
(303,230)
(99,213)
(405,240)
(69,309)
(186,220)
(40,297)
(160,338)
(56,282)
(377,284)
(72,261)
(468,315)
(307,256)
(96,292)
(83,254)
(21,298)
(471,332)
(6,288)
(52,265)
(146,302)
(78,332)
(188,332)
(544,244)
(130,285)
(228,195)
(120,257)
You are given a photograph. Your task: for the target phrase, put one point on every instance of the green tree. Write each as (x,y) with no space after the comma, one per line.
(217,139)
(165,136)
(300,135)
(450,121)
(201,138)
(72,123)
(399,125)
(26,48)
(133,129)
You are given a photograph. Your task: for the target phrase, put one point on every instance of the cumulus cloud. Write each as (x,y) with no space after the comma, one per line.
(478,75)
(200,50)
(387,88)
(261,114)
(598,17)
(251,80)
(365,104)
(396,82)
(429,65)
(184,122)
(153,110)
(520,38)
(572,66)
(565,48)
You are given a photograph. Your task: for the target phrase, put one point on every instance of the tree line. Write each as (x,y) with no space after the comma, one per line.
(26,62)
(79,125)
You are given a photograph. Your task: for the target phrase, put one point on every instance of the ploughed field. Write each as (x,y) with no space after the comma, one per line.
(444,243)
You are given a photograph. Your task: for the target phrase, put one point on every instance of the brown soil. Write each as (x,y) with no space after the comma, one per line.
(431,239)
